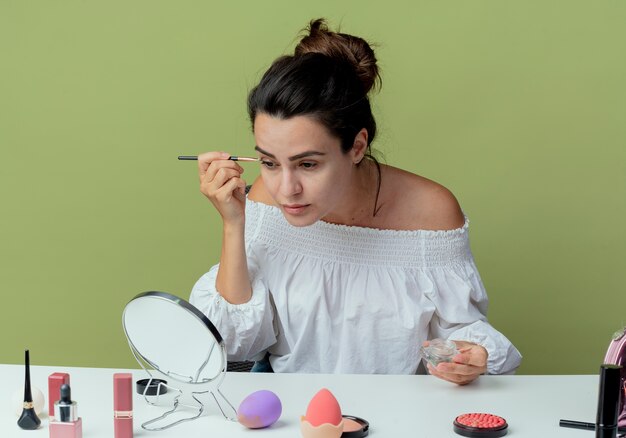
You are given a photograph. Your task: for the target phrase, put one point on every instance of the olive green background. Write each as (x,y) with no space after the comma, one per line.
(519,107)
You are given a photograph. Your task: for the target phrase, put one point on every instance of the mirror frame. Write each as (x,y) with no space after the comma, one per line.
(187,395)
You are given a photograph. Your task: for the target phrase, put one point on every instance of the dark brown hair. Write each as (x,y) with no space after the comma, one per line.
(336,45)
(327,78)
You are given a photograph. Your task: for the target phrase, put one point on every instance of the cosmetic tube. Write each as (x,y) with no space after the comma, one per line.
(66,423)
(123,405)
(608,401)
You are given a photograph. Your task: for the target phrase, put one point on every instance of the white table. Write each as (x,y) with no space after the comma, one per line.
(395,406)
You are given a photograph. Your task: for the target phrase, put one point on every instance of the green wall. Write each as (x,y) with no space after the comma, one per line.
(518,107)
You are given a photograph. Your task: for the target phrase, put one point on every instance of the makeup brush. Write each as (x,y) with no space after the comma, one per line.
(232,158)
(29,419)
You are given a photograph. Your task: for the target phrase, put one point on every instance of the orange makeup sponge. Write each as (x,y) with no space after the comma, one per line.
(323,408)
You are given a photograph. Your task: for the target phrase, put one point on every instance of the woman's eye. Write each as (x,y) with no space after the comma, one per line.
(268,164)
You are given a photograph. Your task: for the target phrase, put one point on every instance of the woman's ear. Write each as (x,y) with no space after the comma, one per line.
(359,147)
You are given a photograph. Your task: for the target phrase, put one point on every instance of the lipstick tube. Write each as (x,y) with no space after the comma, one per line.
(66,422)
(123,405)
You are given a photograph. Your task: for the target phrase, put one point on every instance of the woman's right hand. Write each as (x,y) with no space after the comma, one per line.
(220,181)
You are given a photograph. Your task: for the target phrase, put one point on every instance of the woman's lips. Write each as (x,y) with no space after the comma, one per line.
(295,209)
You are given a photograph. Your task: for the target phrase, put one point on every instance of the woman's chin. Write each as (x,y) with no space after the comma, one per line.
(300,220)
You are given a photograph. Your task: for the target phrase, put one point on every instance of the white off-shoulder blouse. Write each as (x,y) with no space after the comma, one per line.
(330,298)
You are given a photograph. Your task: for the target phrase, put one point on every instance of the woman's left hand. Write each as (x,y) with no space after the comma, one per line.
(465,367)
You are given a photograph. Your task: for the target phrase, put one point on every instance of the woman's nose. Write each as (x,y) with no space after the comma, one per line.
(290,185)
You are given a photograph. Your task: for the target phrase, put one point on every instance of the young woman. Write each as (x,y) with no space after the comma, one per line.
(334,263)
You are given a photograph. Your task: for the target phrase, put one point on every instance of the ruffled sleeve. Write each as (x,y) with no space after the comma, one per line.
(461,308)
(248,328)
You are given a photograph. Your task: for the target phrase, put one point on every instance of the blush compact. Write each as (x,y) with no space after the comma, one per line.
(354,427)
(480,425)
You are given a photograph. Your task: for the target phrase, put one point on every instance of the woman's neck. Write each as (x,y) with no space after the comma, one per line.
(361,203)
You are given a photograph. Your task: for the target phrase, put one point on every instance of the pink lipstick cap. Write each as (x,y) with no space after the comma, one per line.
(123,405)
(55,380)
(123,392)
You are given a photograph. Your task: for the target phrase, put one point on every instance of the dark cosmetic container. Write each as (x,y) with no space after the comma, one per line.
(151,386)
(29,419)
(608,401)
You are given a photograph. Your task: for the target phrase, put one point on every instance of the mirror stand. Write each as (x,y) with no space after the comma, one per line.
(186,400)
(196,410)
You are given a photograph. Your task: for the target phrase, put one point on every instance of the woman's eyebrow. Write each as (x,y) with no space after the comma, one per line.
(256,148)
(295,157)
(305,154)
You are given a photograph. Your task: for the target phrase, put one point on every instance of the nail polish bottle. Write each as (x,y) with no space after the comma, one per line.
(66,423)
(29,419)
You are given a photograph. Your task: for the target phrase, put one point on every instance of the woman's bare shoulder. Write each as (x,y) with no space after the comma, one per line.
(418,203)
(258,193)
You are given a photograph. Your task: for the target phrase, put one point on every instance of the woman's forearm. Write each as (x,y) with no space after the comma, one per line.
(233,280)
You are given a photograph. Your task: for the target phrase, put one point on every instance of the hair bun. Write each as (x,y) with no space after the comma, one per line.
(353,49)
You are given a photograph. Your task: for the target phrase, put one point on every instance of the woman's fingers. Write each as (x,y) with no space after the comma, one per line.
(471,354)
(221,176)
(216,165)
(221,183)
(460,369)
(205,160)
(465,367)
(459,379)
(220,191)
(228,190)
(217,174)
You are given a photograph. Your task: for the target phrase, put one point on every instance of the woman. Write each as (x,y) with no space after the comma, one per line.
(334,262)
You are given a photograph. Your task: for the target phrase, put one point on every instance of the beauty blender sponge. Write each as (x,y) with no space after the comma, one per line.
(323,417)
(259,409)
(323,408)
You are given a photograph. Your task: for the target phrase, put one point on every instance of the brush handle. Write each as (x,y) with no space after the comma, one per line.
(236,158)
(584,425)
(231,158)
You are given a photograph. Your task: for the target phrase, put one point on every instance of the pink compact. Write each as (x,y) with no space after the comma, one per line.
(480,425)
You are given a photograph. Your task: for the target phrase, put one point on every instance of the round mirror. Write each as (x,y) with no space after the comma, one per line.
(174,337)
(170,336)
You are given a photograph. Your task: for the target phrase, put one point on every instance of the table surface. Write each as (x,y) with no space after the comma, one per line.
(395,406)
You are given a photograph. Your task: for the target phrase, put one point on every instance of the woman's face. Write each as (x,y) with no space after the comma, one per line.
(303,167)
